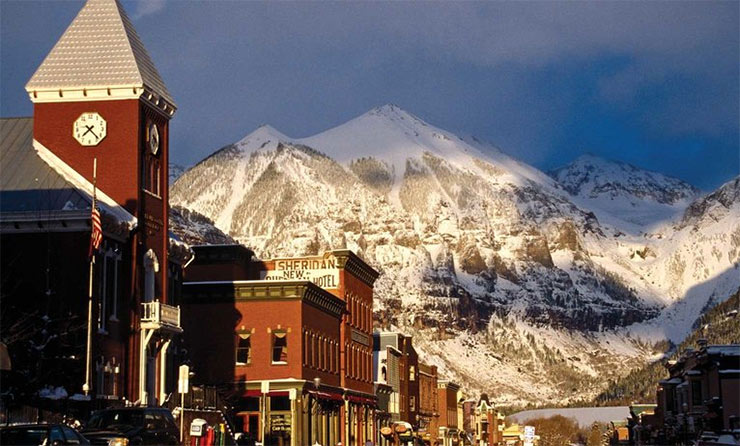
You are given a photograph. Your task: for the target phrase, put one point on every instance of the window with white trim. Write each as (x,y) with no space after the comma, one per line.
(243,348)
(279,347)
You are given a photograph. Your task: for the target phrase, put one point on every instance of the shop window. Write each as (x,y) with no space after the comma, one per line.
(279,403)
(243,348)
(248,404)
(279,347)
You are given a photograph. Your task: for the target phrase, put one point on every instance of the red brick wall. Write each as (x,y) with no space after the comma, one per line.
(208,332)
(198,272)
(318,322)
(119,163)
(118,153)
(356,357)
(211,334)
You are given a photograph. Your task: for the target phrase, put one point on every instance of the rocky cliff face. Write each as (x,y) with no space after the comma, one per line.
(509,284)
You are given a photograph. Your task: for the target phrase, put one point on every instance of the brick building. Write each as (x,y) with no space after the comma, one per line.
(347,405)
(399,347)
(428,404)
(284,365)
(702,393)
(449,404)
(98,100)
(489,424)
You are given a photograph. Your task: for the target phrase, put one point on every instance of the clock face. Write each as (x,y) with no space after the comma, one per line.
(89,129)
(153,138)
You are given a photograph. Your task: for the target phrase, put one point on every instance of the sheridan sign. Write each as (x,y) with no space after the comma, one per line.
(322,271)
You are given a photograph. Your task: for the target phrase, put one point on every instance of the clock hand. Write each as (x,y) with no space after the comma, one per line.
(90,130)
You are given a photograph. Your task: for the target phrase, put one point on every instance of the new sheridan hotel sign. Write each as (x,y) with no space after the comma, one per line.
(322,271)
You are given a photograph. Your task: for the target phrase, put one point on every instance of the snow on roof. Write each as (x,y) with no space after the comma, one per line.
(106,203)
(671,381)
(100,48)
(724,350)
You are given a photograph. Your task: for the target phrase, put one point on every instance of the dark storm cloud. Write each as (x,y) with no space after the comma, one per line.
(653,83)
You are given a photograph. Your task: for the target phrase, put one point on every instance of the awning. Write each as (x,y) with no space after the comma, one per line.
(258,393)
(330,396)
(362,400)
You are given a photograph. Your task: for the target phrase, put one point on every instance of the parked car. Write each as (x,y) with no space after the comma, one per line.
(132,426)
(40,434)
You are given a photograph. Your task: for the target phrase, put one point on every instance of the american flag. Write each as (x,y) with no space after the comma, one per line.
(97,231)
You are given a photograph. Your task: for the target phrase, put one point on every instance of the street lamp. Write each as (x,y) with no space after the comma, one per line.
(312,414)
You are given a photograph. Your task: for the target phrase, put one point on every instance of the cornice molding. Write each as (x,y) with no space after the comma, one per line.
(352,263)
(204,293)
(97,93)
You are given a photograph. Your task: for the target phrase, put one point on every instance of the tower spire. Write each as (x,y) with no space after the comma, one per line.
(100,56)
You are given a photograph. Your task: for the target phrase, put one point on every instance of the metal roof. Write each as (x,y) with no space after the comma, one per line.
(100,48)
(27,183)
(36,184)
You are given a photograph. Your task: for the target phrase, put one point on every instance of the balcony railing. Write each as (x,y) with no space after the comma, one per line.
(157,315)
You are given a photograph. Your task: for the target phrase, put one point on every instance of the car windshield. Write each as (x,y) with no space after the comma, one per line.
(117,420)
(23,435)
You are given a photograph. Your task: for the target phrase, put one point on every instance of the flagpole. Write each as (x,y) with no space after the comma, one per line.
(88,355)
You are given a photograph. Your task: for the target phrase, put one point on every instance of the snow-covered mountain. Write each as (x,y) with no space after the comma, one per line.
(175,172)
(510,284)
(696,260)
(619,191)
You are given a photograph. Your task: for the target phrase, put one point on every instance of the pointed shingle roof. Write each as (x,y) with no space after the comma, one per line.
(99,49)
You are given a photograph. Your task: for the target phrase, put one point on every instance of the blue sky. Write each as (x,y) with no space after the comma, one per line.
(656,84)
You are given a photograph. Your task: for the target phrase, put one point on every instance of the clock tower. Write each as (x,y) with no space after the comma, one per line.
(98,96)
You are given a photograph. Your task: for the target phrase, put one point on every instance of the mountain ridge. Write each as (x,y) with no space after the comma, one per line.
(479,254)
